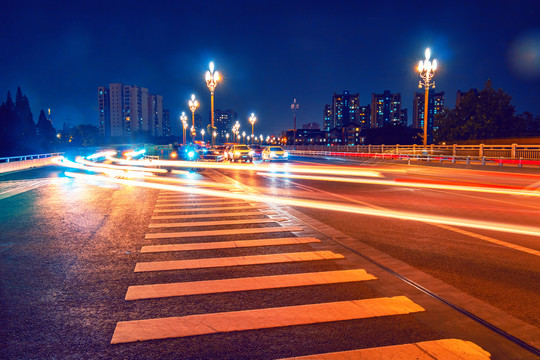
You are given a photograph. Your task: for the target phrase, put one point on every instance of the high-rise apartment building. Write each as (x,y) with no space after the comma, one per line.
(344,110)
(328,122)
(126,110)
(223,121)
(104,115)
(364,116)
(435,106)
(385,109)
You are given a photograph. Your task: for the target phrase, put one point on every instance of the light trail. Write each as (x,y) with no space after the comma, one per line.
(117,167)
(406,184)
(398,215)
(252,167)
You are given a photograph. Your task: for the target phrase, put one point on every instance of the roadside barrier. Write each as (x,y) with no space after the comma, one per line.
(15,163)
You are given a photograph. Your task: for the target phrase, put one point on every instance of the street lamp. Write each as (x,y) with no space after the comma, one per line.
(236,130)
(193,105)
(294,107)
(212,78)
(214,134)
(202,134)
(252,120)
(227,136)
(426,69)
(238,137)
(243,137)
(183,119)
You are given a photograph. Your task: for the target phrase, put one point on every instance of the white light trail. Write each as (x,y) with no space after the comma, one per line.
(399,215)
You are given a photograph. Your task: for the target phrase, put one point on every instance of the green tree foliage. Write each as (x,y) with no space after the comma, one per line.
(46,132)
(85,135)
(489,115)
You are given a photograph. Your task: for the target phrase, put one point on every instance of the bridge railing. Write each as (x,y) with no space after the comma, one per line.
(470,154)
(514,151)
(14,163)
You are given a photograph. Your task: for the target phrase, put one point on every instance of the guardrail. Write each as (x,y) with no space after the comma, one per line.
(14,163)
(514,151)
(479,160)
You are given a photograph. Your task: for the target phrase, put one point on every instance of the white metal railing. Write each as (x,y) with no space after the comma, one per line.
(514,151)
(467,159)
(28,157)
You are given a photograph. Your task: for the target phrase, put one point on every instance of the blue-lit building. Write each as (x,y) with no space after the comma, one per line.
(344,110)
(385,109)
(435,106)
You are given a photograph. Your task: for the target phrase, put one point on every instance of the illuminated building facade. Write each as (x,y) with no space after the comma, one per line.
(385,109)
(435,106)
(223,121)
(126,110)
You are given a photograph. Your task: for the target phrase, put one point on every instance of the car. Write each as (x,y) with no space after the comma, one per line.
(215,153)
(190,152)
(274,153)
(239,153)
(257,151)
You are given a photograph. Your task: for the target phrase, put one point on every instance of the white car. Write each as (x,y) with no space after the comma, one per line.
(274,153)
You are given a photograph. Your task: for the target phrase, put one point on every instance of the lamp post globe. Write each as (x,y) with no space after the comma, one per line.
(212,78)
(193,105)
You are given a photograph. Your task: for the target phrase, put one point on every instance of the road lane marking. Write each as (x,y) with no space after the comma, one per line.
(246,284)
(236,261)
(223,232)
(214,223)
(12,188)
(200,208)
(490,239)
(191,200)
(229,244)
(174,327)
(184,204)
(447,349)
(198,216)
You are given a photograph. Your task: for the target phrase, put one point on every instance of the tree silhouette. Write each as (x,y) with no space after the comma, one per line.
(46,132)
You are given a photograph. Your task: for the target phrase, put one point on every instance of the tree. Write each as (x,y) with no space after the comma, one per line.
(45,131)
(488,115)
(7,121)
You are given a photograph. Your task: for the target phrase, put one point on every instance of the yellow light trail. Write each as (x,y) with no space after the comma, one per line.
(405,184)
(117,167)
(399,215)
(252,167)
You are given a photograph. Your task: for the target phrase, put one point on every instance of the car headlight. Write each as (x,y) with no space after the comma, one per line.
(173,155)
(272,154)
(251,152)
(237,153)
(285,154)
(191,154)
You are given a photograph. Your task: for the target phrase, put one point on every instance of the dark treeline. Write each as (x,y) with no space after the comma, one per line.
(487,114)
(20,135)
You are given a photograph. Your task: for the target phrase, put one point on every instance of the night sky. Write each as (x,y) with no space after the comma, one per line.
(269,52)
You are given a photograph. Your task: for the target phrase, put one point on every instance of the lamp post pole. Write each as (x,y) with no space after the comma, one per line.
(183,118)
(212,78)
(426,69)
(193,105)
(294,107)
(252,120)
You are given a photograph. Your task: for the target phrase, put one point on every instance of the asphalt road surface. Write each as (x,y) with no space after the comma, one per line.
(100,268)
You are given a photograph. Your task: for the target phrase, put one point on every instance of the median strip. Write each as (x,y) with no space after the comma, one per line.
(246,284)
(174,327)
(229,244)
(223,232)
(236,261)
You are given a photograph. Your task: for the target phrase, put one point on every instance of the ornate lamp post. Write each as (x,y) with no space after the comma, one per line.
(252,120)
(227,136)
(214,134)
(193,105)
(183,119)
(243,137)
(212,78)
(426,69)
(236,130)
(202,135)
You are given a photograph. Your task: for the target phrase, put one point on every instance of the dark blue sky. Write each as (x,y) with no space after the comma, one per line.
(269,52)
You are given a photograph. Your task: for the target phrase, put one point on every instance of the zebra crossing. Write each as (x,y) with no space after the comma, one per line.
(191,219)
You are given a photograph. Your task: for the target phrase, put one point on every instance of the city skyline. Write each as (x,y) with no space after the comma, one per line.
(268,54)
